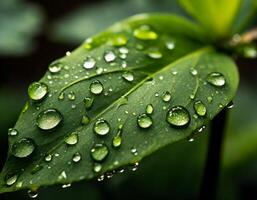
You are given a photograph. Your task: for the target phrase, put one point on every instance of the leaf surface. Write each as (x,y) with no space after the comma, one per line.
(147,60)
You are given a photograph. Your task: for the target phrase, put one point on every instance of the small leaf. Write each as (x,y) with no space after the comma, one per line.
(216,15)
(162,63)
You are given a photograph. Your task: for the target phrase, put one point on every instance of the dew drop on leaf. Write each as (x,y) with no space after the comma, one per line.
(48,158)
(37,91)
(149,109)
(101,127)
(72,139)
(48,119)
(154,53)
(61,96)
(123,50)
(166,96)
(128,76)
(55,68)
(134,151)
(76,157)
(96,87)
(97,167)
(12,132)
(89,63)
(200,108)
(170,45)
(117,140)
(32,194)
(216,79)
(99,152)
(144,121)
(71,96)
(85,120)
(23,148)
(88,102)
(109,56)
(230,105)
(145,32)
(193,71)
(10,180)
(119,40)
(178,116)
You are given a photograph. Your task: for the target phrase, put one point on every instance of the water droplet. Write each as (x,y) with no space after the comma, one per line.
(119,40)
(99,152)
(96,87)
(193,71)
(230,105)
(216,79)
(72,139)
(97,167)
(61,96)
(117,140)
(101,127)
(36,169)
(88,102)
(209,99)
(134,151)
(48,158)
(123,50)
(48,119)
(149,109)
(85,120)
(128,76)
(11,179)
(66,185)
(76,157)
(23,148)
(89,63)
(32,194)
(109,56)
(62,175)
(170,45)
(134,167)
(250,52)
(145,32)
(144,121)
(55,68)
(166,96)
(178,116)
(12,132)
(71,96)
(154,53)
(200,108)
(37,91)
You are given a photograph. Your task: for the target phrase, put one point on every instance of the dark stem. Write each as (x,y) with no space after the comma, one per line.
(212,166)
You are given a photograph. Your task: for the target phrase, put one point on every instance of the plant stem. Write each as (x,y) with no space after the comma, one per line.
(212,166)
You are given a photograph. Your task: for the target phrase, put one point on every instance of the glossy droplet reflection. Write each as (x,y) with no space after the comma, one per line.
(99,152)
(11,179)
(72,139)
(166,96)
(96,87)
(88,102)
(128,76)
(216,79)
(144,121)
(23,148)
(101,127)
(109,56)
(89,63)
(149,109)
(178,116)
(48,119)
(12,132)
(200,108)
(145,32)
(37,91)
(76,157)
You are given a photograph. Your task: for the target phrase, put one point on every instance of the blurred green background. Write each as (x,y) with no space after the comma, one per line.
(34,33)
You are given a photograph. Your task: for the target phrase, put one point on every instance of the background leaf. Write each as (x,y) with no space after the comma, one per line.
(216,15)
(19,22)
(87,20)
(155,68)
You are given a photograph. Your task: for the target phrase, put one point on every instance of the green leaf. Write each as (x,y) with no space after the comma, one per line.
(74,27)
(147,60)
(19,23)
(217,16)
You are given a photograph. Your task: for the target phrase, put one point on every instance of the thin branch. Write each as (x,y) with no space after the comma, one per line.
(245,38)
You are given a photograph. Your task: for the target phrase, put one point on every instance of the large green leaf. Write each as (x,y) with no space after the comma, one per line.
(19,23)
(74,27)
(163,55)
(216,15)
